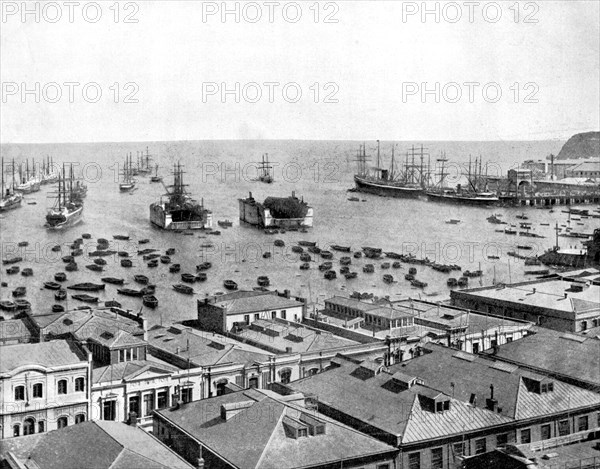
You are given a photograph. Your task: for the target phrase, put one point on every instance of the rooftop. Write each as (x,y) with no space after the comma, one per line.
(202,348)
(260,431)
(555,295)
(55,353)
(15,329)
(129,371)
(539,351)
(243,302)
(99,444)
(291,337)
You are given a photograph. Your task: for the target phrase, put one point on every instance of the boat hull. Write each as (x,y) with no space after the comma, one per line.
(465,200)
(67,220)
(386,188)
(164,220)
(11,203)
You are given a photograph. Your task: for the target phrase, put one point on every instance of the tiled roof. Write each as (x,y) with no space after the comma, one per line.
(555,353)
(259,436)
(352,303)
(255,302)
(47,354)
(15,329)
(99,444)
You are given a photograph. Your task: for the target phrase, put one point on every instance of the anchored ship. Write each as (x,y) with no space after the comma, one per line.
(143,163)
(49,175)
(476,192)
(128,182)
(276,212)
(67,211)
(29,183)
(265,170)
(407,182)
(10,199)
(176,209)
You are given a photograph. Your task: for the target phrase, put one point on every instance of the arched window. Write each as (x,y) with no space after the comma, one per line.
(38,390)
(79,384)
(16,430)
(583,325)
(41,426)
(313,371)
(285,375)
(79,418)
(62,386)
(62,422)
(29,426)
(221,384)
(20,393)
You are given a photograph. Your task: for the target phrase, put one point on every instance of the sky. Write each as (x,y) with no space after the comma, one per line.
(345,70)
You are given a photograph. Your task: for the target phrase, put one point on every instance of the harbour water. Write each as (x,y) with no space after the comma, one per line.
(220,172)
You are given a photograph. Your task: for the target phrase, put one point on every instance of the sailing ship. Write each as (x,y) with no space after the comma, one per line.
(143,166)
(407,182)
(156,177)
(29,182)
(128,182)
(176,210)
(264,174)
(67,211)
(9,198)
(476,192)
(49,175)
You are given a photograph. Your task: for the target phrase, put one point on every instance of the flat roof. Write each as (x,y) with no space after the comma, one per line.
(250,302)
(46,354)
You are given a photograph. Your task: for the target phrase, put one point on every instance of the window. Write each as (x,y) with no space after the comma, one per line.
(41,426)
(302,432)
(122,355)
(459,449)
(283,314)
(286,376)
(414,461)
(256,317)
(134,405)
(20,393)
(62,386)
(480,446)
(79,385)
(509,340)
(582,423)
(546,432)
(247,318)
(437,458)
(28,426)
(475,347)
(473,399)
(273,314)
(253,382)
(502,439)
(38,390)
(162,399)
(599,419)
(526,436)
(79,418)
(108,410)
(134,353)
(128,354)
(383,466)
(439,406)
(16,430)
(563,427)
(62,422)
(148,404)
(187,394)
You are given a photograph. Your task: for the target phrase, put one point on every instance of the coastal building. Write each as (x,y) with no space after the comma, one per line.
(43,387)
(221,314)
(408,324)
(555,354)
(98,445)
(276,212)
(260,429)
(589,169)
(446,404)
(568,301)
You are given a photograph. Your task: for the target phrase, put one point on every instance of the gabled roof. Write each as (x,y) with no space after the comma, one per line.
(126,371)
(99,444)
(256,437)
(46,354)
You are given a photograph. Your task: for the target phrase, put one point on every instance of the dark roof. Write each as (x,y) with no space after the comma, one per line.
(571,355)
(94,444)
(259,433)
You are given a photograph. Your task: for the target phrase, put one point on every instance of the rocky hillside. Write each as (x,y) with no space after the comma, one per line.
(582,145)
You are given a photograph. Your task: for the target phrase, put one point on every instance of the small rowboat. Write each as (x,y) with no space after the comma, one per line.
(183,289)
(86,298)
(230,285)
(150,301)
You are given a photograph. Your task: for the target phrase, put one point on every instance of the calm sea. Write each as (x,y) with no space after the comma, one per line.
(220,172)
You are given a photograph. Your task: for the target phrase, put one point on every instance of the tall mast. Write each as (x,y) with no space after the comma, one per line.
(392,170)
(378,163)
(2,195)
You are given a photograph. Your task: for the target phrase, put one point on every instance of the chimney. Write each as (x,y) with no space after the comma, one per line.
(286,293)
(288,350)
(177,350)
(231,409)
(491,403)
(145,328)
(200,463)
